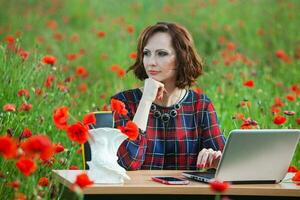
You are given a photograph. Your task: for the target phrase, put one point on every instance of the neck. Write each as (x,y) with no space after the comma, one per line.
(173,95)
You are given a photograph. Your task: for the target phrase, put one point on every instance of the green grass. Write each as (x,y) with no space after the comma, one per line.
(238,21)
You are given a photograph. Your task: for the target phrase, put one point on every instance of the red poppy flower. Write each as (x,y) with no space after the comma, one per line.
(275,109)
(131,130)
(294,88)
(82,87)
(218,186)
(78,133)
(82,51)
(9,107)
(20,196)
(81,71)
(26,166)
(58,148)
(121,73)
(245,103)
(249,83)
(298,121)
(62,87)
(133,55)
(289,112)
(25,106)
(79,151)
(249,124)
(130,28)
(278,102)
(43,181)
(280,54)
(74,37)
(105,107)
(26,133)
(239,116)
(52,24)
(49,81)
(118,107)
(38,91)
(231,46)
(101,34)
(115,67)
(291,97)
(58,36)
(9,39)
(69,79)
(89,119)
(72,56)
(296,177)
(8,147)
(292,169)
(14,184)
(60,117)
(39,145)
(51,60)
(73,167)
(279,120)
(103,96)
(23,92)
(82,180)
(24,54)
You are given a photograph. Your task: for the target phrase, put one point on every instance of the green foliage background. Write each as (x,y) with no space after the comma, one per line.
(257,28)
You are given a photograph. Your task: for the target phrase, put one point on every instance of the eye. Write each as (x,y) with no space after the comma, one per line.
(146,53)
(162,53)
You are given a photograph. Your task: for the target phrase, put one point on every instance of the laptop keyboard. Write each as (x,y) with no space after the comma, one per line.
(207,175)
(199,176)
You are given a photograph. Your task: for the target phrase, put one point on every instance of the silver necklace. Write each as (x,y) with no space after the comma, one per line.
(166,116)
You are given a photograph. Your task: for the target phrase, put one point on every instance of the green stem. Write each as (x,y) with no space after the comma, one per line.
(218,196)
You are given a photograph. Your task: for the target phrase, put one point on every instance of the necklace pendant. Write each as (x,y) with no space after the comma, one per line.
(165,117)
(156,114)
(173,113)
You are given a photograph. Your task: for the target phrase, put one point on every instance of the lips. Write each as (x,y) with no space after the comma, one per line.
(152,72)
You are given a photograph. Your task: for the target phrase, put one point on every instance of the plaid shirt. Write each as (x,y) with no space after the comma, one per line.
(171,145)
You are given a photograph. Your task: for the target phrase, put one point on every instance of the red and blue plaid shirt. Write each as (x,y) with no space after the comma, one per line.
(174,144)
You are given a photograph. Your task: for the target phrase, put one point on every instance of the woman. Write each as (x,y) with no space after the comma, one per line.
(178,128)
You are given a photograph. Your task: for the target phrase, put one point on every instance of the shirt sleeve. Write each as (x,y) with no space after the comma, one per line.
(212,137)
(131,153)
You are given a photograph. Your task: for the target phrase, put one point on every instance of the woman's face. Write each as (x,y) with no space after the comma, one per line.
(159,58)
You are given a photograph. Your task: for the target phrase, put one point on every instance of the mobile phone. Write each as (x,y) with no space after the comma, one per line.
(169,180)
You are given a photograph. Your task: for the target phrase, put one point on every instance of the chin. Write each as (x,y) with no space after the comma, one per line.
(157,79)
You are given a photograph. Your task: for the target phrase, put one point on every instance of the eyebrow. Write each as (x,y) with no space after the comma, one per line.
(157,50)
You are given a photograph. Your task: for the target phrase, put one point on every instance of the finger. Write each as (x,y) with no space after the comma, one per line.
(217,155)
(203,161)
(217,159)
(165,91)
(157,83)
(200,155)
(210,158)
(160,93)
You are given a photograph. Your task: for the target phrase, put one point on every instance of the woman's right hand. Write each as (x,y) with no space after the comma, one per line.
(153,90)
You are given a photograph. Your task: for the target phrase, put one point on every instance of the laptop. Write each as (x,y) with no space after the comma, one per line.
(253,156)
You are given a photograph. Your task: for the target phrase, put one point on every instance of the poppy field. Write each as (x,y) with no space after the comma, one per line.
(62,60)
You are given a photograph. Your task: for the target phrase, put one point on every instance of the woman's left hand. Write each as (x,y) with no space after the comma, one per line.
(208,158)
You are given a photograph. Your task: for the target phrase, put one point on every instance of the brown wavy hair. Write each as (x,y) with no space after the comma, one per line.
(189,63)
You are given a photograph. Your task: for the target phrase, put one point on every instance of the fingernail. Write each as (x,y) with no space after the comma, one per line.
(201,165)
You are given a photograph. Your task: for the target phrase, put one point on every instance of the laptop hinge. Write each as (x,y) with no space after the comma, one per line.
(254,182)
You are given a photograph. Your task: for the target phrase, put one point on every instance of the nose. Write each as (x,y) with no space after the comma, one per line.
(151,61)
